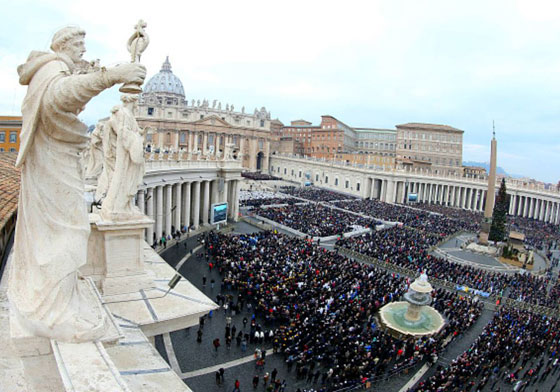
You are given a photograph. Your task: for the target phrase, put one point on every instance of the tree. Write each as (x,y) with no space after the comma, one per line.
(499,215)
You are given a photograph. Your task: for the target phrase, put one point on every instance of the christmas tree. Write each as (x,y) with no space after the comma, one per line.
(499,215)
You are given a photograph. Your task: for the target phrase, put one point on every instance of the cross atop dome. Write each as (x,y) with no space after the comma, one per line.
(166,66)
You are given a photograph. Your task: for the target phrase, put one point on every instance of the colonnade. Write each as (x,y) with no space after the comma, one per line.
(465,197)
(186,204)
(529,206)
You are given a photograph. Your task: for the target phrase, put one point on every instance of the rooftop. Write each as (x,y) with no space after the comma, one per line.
(437,127)
(9,186)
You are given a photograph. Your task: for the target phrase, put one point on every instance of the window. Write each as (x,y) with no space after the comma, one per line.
(13,137)
(1,149)
(336,182)
(292,172)
(346,184)
(262,123)
(12,149)
(300,174)
(316,177)
(150,111)
(285,170)
(357,186)
(326,179)
(183,137)
(2,137)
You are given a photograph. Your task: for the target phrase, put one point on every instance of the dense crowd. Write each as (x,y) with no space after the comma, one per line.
(517,349)
(315,194)
(409,248)
(264,198)
(258,176)
(408,216)
(318,308)
(315,219)
(537,233)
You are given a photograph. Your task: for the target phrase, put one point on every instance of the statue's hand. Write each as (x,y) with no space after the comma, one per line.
(128,73)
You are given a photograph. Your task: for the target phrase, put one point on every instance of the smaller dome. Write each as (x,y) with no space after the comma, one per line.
(165,81)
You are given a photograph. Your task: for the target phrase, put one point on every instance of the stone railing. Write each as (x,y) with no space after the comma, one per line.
(155,163)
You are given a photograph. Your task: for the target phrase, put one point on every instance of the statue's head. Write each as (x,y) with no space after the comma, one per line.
(70,41)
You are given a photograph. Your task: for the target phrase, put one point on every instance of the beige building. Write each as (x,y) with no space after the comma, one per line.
(173,124)
(438,148)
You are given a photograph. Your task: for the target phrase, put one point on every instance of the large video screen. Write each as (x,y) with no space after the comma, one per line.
(218,213)
(412,197)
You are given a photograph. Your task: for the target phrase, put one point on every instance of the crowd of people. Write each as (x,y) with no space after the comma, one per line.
(258,176)
(315,194)
(516,349)
(264,198)
(318,308)
(315,220)
(411,217)
(409,248)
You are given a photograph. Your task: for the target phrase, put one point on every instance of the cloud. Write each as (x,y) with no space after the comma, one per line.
(369,63)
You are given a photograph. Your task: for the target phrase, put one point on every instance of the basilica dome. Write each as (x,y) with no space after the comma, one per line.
(165,82)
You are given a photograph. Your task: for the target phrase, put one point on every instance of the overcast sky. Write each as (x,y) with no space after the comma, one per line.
(368,63)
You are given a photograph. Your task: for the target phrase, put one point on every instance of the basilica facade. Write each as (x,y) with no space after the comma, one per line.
(173,124)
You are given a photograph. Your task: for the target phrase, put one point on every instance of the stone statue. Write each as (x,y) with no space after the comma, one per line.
(170,154)
(228,152)
(109,159)
(136,45)
(198,103)
(129,163)
(94,164)
(243,110)
(52,228)
(231,108)
(214,104)
(192,102)
(227,107)
(138,41)
(219,106)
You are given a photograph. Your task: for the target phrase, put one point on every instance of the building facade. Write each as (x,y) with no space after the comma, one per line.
(10,127)
(198,127)
(435,147)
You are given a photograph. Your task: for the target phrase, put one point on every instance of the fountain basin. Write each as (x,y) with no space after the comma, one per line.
(427,320)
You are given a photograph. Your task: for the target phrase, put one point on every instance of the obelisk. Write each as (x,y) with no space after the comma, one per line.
(491,194)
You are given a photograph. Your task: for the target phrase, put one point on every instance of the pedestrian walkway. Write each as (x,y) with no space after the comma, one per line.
(225,365)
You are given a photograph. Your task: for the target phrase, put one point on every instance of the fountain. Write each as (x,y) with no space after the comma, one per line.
(414,316)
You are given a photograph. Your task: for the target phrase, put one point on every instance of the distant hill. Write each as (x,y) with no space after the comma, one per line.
(486,165)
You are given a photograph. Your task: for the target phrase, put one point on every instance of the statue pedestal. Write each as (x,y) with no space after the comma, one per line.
(29,345)
(115,255)
(484,231)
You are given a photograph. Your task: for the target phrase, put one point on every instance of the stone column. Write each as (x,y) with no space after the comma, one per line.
(159,212)
(253,153)
(525,206)
(186,218)
(195,141)
(206,203)
(382,196)
(531,207)
(214,195)
(167,213)
(225,193)
(196,204)
(204,143)
(236,200)
(453,196)
(141,201)
(150,213)
(178,206)
(469,202)
(241,153)
(266,156)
